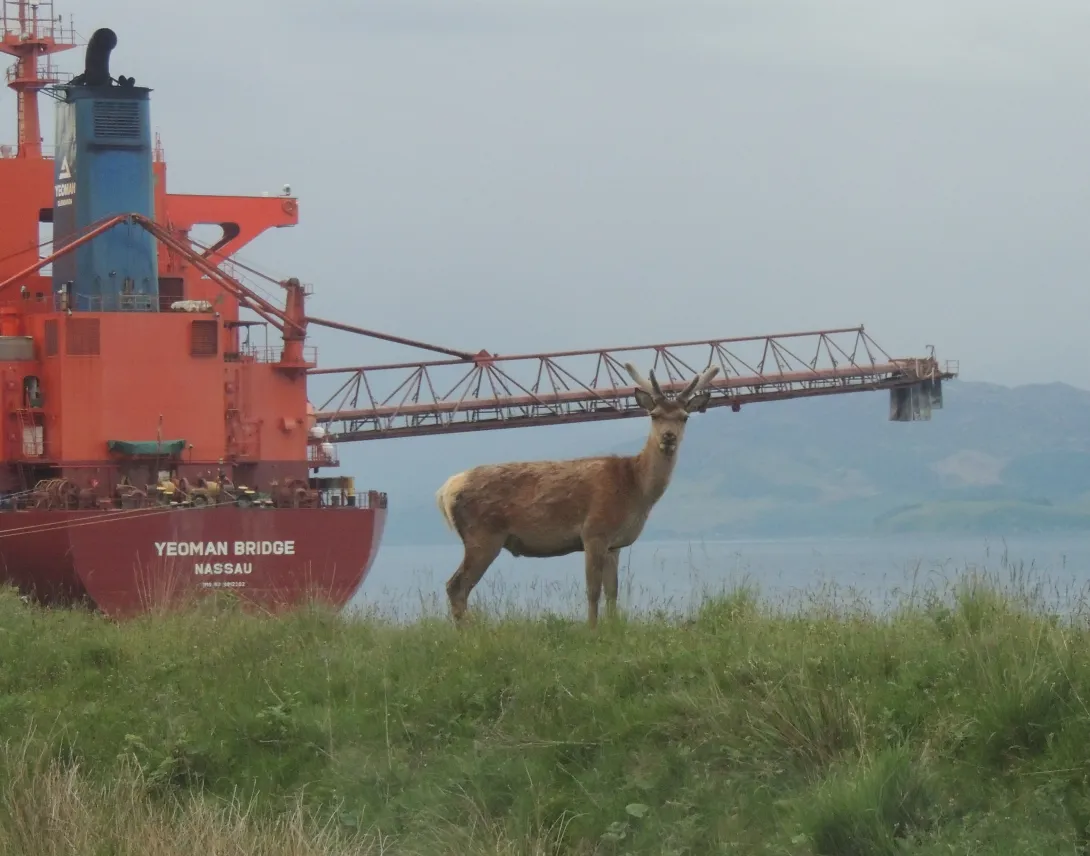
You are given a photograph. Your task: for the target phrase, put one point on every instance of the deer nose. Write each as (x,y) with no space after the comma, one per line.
(669,437)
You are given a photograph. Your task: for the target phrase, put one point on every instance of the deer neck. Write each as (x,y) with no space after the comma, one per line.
(654,469)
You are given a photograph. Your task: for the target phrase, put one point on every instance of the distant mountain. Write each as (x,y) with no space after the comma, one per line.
(995,459)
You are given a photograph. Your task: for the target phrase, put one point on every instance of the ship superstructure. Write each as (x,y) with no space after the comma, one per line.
(143,434)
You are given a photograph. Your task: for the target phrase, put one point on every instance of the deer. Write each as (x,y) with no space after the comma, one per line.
(544,509)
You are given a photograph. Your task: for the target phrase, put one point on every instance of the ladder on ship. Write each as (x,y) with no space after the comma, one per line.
(31,434)
(29,456)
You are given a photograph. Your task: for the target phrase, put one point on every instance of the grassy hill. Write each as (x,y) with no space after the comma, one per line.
(994,460)
(954,724)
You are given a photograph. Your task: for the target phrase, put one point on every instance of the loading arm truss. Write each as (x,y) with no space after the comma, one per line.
(482,391)
(490,392)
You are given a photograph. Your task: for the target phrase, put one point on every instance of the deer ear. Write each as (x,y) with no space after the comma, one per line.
(644,400)
(698,403)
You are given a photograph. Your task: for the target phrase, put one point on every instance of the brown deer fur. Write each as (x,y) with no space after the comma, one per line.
(552,508)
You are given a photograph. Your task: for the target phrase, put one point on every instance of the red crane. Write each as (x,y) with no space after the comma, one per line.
(478,392)
(483,391)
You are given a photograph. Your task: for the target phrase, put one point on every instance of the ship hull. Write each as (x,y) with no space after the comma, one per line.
(128,562)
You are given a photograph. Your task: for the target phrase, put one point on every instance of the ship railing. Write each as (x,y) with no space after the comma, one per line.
(273,353)
(90,302)
(48,74)
(43,23)
(360,499)
(113,303)
(37,296)
(332,498)
(322,454)
(105,302)
(10,150)
(229,268)
(371,499)
(240,274)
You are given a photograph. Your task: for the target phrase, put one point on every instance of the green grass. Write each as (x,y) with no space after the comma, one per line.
(957,723)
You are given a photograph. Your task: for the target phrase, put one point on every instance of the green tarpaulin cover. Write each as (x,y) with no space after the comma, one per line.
(146,447)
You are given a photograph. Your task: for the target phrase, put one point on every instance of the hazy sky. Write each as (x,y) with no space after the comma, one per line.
(531,174)
(525,175)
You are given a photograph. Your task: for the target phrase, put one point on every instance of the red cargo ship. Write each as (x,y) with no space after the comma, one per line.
(149,450)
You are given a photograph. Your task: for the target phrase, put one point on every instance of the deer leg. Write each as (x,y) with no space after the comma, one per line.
(479,555)
(596,553)
(456,593)
(609,581)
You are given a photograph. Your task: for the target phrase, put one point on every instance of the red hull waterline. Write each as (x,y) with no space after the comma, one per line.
(127,562)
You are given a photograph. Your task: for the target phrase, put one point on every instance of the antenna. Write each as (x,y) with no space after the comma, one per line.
(31,32)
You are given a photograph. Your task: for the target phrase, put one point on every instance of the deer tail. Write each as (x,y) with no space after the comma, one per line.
(447,495)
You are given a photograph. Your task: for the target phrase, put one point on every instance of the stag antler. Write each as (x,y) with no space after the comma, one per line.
(653,389)
(697,384)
